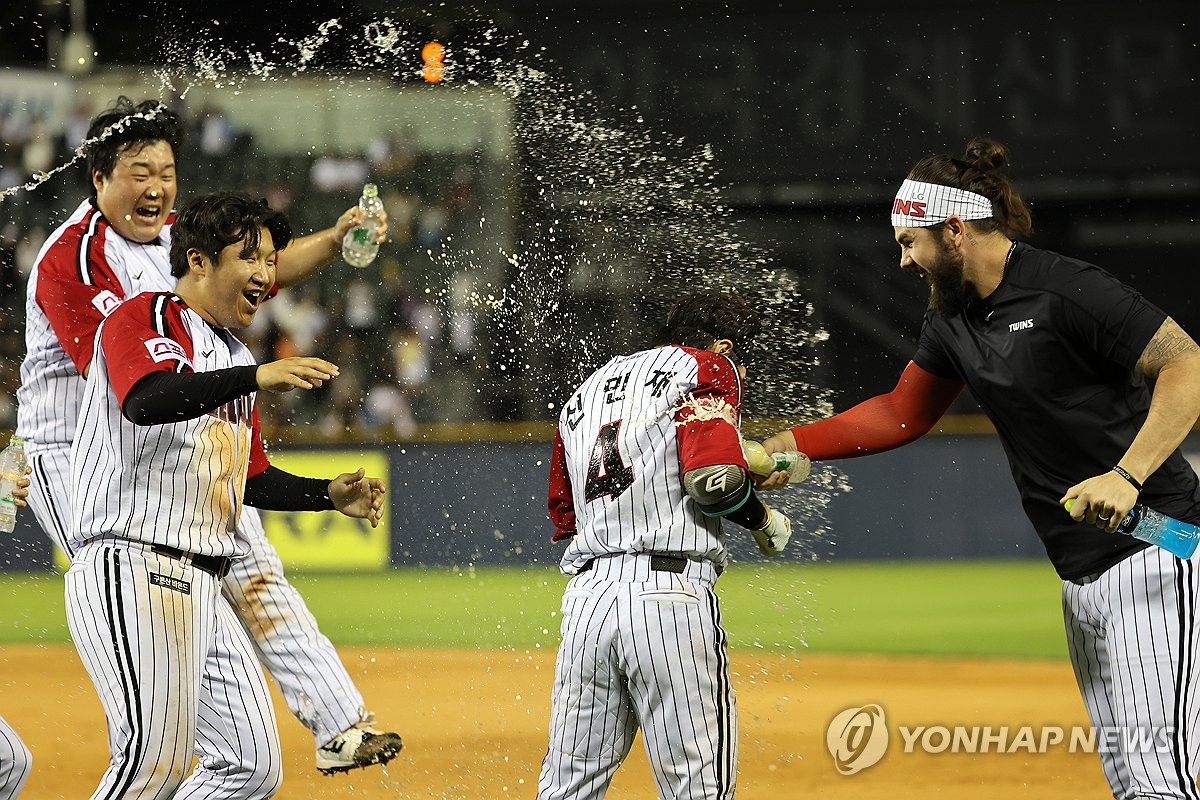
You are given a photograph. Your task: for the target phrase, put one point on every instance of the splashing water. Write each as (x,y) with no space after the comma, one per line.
(79,153)
(617,221)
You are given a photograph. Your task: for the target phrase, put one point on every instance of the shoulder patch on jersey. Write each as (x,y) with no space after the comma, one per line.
(174,584)
(164,349)
(106,302)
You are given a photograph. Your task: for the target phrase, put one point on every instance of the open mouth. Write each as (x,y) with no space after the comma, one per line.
(253,296)
(148,212)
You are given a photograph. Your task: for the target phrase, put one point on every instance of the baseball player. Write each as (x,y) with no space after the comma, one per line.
(166,450)
(114,246)
(15,759)
(15,762)
(1091,389)
(646,463)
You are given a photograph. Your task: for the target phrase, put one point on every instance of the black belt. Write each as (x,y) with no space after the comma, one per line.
(213,565)
(658,563)
(1084,580)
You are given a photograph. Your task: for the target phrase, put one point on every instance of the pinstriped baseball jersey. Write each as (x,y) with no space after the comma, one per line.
(180,484)
(83,271)
(625,439)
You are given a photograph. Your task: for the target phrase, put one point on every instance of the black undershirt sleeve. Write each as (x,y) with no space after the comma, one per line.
(751,515)
(276,490)
(162,398)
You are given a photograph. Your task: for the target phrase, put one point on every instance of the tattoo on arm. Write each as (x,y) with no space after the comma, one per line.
(1171,342)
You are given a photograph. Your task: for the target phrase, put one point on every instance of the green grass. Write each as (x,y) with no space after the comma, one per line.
(936,608)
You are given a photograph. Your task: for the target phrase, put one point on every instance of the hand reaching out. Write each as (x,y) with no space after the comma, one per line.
(295,373)
(356,495)
(351,217)
(20,492)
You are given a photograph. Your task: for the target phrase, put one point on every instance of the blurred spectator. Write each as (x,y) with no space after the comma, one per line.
(10,277)
(15,121)
(391,156)
(216,131)
(390,402)
(75,129)
(28,245)
(38,153)
(10,173)
(431,226)
(299,318)
(331,173)
(279,197)
(73,135)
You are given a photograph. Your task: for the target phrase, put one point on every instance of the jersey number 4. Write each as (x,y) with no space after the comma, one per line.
(607,474)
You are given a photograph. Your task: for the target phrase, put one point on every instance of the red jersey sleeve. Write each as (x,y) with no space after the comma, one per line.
(144,335)
(884,422)
(562,501)
(77,288)
(258,454)
(710,417)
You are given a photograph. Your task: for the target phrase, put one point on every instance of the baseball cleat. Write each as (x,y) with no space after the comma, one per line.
(357,747)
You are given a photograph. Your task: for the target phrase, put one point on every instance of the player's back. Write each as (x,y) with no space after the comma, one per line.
(621,441)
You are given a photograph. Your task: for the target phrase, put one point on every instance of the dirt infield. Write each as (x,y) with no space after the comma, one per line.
(474,725)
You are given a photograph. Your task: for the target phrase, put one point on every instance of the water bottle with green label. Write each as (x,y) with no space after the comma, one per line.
(12,467)
(795,463)
(359,247)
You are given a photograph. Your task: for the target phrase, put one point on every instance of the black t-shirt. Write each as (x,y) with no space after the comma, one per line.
(1050,358)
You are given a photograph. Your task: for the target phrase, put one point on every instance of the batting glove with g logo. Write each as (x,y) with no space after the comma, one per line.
(773,535)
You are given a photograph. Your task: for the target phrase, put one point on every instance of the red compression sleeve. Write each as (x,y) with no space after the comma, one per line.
(562,502)
(881,423)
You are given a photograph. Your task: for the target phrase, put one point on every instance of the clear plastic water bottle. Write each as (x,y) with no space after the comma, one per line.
(12,467)
(763,463)
(1176,536)
(359,247)
(1173,535)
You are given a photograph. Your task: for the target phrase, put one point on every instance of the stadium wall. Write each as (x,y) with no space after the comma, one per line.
(483,502)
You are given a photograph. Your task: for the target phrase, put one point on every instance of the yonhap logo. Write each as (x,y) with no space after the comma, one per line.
(857,738)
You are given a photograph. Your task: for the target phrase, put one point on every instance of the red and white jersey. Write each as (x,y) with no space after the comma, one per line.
(624,441)
(83,272)
(179,484)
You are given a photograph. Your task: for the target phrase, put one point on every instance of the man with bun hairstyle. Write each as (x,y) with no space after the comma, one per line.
(1091,389)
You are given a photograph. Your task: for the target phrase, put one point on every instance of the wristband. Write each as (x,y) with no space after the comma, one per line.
(1125,474)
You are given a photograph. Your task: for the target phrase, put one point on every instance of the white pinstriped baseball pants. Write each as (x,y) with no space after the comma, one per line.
(15,762)
(641,649)
(1134,642)
(176,674)
(306,667)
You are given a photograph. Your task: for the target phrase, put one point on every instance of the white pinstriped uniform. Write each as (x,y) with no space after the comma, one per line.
(15,762)
(642,646)
(179,485)
(1150,596)
(174,667)
(82,261)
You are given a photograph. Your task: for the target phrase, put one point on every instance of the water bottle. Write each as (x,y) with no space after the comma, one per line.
(763,463)
(1175,536)
(12,468)
(359,247)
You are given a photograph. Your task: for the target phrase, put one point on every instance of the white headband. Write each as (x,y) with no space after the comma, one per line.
(920,205)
